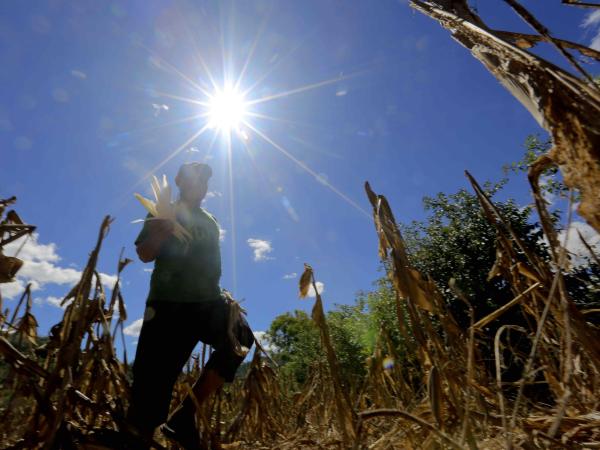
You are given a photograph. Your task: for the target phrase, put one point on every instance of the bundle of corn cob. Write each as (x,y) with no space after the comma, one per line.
(163,208)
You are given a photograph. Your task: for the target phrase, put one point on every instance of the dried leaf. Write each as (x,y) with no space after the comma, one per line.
(565,105)
(9,266)
(122,310)
(527,272)
(305,281)
(13,217)
(27,327)
(495,270)
(123,263)
(434,391)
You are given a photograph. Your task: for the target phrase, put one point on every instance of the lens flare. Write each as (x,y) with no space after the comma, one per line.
(388,363)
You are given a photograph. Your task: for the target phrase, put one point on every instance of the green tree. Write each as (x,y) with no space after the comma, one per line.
(297,343)
(354,330)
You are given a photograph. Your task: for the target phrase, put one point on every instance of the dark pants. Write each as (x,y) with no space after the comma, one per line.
(169,334)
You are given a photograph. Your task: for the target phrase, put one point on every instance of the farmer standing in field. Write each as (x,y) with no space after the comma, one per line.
(185,305)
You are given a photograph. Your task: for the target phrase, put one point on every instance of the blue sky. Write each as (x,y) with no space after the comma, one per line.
(84,118)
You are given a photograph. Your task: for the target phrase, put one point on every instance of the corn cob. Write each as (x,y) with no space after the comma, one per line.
(163,208)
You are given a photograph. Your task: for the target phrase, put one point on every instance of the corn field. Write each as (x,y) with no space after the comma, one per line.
(63,391)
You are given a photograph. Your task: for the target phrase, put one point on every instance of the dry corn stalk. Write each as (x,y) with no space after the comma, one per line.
(566,106)
(236,316)
(344,408)
(259,415)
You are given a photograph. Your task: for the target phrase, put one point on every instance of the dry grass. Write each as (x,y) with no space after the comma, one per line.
(443,397)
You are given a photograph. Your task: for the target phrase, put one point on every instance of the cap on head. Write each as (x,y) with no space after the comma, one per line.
(194,170)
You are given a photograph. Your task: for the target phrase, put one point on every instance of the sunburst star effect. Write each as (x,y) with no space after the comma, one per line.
(226,110)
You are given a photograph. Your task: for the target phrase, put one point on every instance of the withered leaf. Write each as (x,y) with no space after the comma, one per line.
(27,327)
(122,310)
(9,266)
(305,281)
(123,263)
(495,270)
(434,390)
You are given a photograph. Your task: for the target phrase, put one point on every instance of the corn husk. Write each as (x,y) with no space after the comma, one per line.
(9,266)
(163,208)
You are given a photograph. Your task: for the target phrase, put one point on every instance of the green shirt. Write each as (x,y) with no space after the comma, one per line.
(187,272)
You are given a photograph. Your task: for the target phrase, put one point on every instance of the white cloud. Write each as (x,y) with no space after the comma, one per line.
(290,276)
(33,250)
(261,249)
(134,328)
(213,194)
(108,280)
(222,234)
(577,250)
(40,267)
(592,20)
(56,301)
(12,290)
(79,74)
(46,272)
(320,289)
(159,107)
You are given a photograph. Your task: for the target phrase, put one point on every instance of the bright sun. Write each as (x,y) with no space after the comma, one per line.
(226,109)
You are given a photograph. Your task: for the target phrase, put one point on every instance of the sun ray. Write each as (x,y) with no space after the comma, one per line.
(277,119)
(277,63)
(210,146)
(196,52)
(206,69)
(261,173)
(167,124)
(126,196)
(183,99)
(300,89)
(232,215)
(308,169)
(225,110)
(251,52)
(226,64)
(174,153)
(313,147)
(175,70)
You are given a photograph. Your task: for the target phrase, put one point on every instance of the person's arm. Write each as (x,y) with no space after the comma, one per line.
(155,233)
